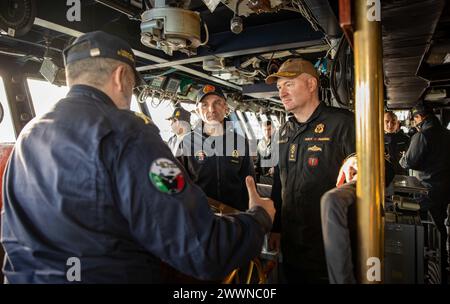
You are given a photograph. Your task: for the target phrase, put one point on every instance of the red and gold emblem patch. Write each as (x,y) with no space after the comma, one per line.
(313,161)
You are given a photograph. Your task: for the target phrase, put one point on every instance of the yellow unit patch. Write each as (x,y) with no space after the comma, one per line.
(319,128)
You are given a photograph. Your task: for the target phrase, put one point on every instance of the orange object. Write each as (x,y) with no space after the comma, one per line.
(5,152)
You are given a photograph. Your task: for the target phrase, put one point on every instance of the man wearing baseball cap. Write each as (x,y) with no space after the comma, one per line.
(312,145)
(180,122)
(93,195)
(214,155)
(395,141)
(428,154)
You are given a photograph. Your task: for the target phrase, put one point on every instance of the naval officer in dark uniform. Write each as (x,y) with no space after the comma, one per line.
(312,145)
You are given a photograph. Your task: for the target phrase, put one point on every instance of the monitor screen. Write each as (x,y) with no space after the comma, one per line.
(157,82)
(172,85)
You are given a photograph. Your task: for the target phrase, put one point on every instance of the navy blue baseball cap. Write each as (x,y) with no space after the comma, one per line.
(102,45)
(209,89)
(180,113)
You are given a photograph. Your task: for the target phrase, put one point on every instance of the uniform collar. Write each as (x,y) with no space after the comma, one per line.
(313,116)
(79,90)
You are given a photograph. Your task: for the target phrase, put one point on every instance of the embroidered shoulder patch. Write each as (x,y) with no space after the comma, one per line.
(166,176)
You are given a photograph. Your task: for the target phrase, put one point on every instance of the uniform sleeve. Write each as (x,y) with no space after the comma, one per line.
(335,205)
(416,153)
(170,217)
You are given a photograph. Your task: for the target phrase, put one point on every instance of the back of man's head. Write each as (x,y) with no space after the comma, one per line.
(91,71)
(421,109)
(92,58)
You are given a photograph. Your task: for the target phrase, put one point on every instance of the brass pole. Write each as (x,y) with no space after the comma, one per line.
(369,142)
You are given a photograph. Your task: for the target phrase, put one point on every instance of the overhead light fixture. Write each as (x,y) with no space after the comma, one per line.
(171,29)
(236,25)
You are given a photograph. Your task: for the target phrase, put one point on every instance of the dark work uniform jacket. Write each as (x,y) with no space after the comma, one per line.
(429,153)
(394,145)
(310,155)
(95,183)
(219,165)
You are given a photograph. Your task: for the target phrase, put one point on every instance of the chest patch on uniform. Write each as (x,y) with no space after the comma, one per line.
(200,156)
(317,139)
(315,149)
(319,128)
(313,161)
(235,157)
(293,152)
(166,176)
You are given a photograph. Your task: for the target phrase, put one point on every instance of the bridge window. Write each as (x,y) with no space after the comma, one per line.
(6,125)
(237,124)
(275,121)
(263,117)
(160,110)
(134,105)
(254,124)
(402,114)
(45,95)
(245,125)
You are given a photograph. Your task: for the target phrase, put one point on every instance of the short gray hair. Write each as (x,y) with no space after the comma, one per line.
(95,71)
